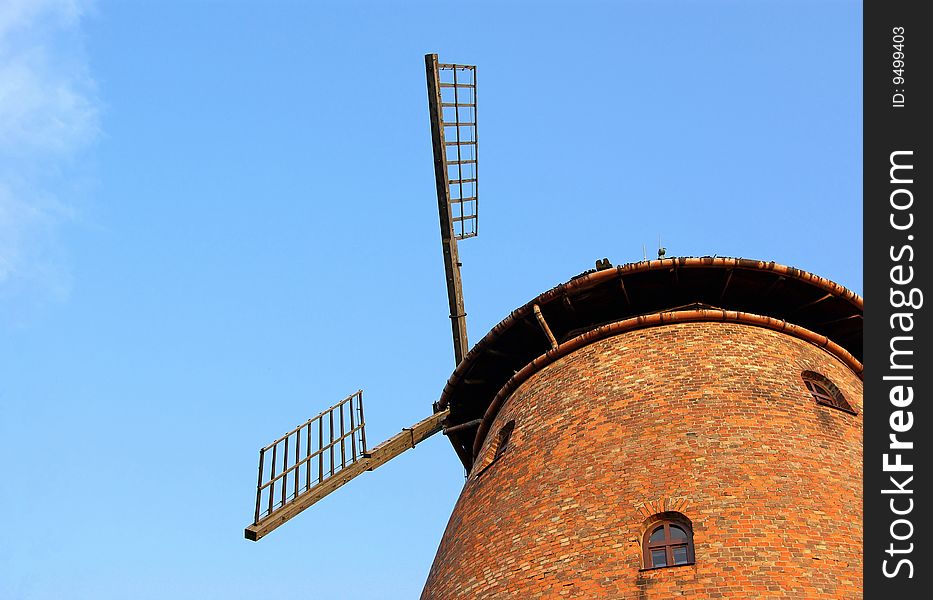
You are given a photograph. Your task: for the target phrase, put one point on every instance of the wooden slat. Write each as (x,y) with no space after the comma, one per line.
(379,456)
(319,452)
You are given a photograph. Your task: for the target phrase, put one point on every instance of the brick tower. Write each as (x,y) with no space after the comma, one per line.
(678,427)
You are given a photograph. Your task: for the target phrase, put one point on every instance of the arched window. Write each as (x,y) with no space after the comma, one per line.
(497,447)
(503,440)
(825,391)
(668,543)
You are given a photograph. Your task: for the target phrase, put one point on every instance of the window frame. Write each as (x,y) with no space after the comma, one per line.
(668,544)
(503,439)
(825,392)
(497,448)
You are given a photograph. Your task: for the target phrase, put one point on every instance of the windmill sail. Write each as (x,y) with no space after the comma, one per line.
(452,105)
(457,87)
(321,455)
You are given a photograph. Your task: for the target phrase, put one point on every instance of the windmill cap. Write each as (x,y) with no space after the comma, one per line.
(610,300)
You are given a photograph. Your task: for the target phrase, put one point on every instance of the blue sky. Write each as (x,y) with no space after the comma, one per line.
(218,218)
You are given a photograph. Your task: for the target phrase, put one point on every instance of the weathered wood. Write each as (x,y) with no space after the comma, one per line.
(544,326)
(277,518)
(379,455)
(262,455)
(448,239)
(319,452)
(406,439)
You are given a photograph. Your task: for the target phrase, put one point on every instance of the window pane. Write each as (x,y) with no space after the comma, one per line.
(818,391)
(680,555)
(657,535)
(658,558)
(677,533)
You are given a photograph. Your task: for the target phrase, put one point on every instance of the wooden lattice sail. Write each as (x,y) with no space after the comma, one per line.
(312,460)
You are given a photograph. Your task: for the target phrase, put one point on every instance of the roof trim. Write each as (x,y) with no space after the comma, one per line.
(615,294)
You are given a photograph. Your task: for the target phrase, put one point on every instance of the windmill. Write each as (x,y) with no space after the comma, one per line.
(580,450)
(325,452)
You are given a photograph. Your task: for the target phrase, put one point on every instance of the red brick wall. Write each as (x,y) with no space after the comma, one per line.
(711,419)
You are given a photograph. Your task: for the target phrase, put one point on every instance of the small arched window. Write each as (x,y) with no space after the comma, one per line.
(503,440)
(825,391)
(497,447)
(668,544)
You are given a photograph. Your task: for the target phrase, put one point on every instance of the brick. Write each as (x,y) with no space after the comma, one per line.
(708,419)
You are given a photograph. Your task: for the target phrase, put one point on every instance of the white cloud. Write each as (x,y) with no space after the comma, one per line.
(48,115)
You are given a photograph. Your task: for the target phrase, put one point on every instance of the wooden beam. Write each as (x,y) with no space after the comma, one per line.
(544,326)
(448,239)
(725,286)
(624,291)
(811,303)
(373,459)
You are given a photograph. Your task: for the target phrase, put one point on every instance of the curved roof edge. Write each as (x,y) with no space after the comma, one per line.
(592,300)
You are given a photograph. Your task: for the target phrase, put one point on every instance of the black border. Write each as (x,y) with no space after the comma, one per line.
(889,128)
